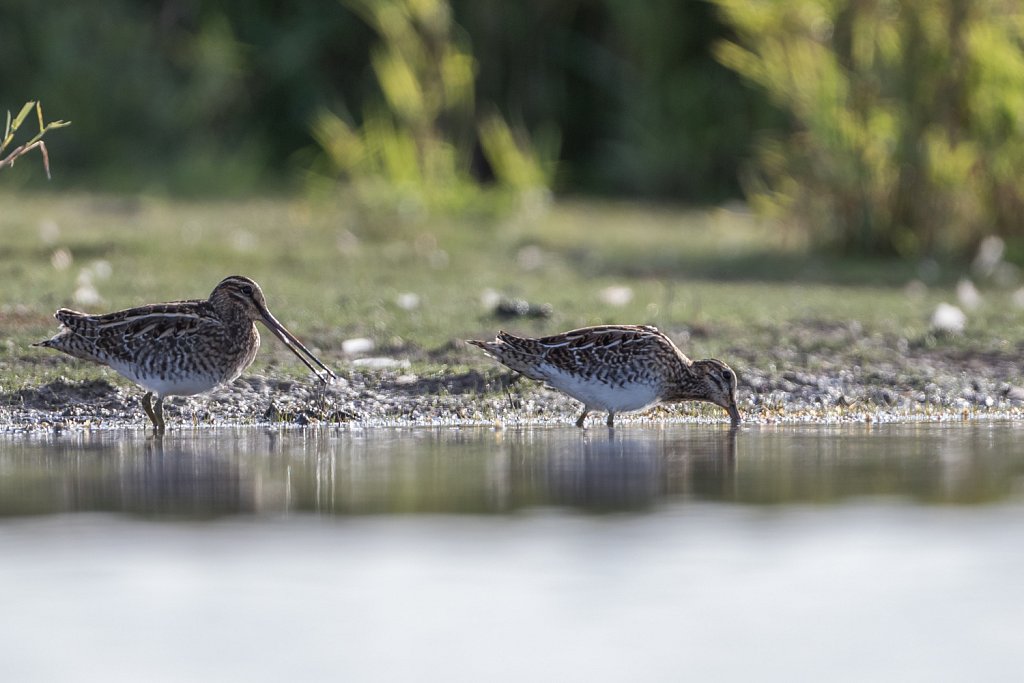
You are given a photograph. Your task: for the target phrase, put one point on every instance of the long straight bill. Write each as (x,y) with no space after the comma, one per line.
(734,415)
(297,347)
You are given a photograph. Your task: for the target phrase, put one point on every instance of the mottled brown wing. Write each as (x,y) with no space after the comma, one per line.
(605,347)
(606,334)
(122,335)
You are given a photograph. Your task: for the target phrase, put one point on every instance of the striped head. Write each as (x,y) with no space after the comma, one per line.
(239,297)
(715,382)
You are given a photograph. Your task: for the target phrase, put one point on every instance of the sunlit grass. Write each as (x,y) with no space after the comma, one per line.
(330,274)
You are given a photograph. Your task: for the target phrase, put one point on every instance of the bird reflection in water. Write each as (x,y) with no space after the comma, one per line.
(206,473)
(210,473)
(621,470)
(185,476)
(189,477)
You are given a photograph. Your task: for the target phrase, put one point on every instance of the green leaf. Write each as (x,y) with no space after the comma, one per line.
(22,114)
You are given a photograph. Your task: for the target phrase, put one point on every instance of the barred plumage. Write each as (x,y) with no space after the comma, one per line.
(617,368)
(179,348)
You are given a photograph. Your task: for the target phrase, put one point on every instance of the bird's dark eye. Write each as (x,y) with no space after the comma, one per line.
(247,290)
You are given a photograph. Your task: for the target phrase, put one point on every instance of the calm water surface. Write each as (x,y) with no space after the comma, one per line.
(683,552)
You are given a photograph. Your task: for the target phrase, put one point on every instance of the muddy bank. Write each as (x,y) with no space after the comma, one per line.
(825,367)
(836,374)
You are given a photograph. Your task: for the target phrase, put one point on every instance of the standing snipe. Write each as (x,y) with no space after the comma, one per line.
(179,348)
(617,368)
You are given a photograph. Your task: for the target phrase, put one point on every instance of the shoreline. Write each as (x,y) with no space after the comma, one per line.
(491,398)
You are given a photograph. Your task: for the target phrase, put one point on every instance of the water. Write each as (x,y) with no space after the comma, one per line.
(682,552)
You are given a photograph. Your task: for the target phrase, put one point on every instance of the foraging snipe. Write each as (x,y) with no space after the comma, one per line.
(179,348)
(617,368)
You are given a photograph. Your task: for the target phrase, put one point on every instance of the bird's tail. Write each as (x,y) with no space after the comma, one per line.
(70,338)
(514,352)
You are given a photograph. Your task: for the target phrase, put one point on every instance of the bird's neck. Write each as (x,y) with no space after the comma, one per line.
(230,312)
(686,383)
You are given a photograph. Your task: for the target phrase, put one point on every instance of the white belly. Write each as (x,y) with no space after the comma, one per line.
(183,386)
(594,394)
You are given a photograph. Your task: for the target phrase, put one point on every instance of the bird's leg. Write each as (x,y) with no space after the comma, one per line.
(160,425)
(148,407)
(579,422)
(611,420)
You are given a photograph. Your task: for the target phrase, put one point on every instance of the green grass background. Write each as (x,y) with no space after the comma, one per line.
(718,279)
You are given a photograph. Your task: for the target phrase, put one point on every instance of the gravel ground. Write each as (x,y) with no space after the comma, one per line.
(811,372)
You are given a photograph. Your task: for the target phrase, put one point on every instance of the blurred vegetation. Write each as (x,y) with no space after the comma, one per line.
(10,155)
(908,119)
(880,126)
(418,148)
(219,96)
